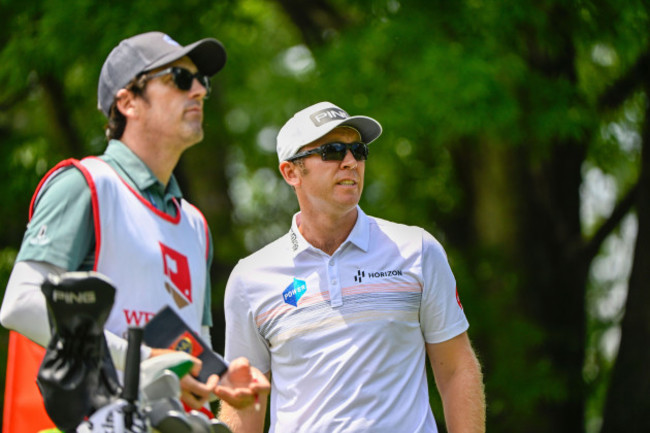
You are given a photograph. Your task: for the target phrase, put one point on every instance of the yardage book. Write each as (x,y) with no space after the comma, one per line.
(167,330)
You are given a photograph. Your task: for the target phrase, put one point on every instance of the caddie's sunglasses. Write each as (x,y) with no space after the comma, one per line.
(336,151)
(183,78)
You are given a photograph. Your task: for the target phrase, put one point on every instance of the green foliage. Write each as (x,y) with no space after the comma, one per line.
(453,83)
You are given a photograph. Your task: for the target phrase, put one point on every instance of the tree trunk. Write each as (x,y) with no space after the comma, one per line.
(628,399)
(554,291)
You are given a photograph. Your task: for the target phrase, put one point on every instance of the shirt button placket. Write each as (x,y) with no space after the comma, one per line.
(336,299)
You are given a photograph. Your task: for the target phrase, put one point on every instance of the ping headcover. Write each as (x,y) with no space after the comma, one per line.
(77,375)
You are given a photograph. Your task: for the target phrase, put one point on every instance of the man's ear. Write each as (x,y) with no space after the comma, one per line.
(290,173)
(125,102)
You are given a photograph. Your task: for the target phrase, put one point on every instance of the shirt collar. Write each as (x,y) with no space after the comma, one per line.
(136,172)
(359,236)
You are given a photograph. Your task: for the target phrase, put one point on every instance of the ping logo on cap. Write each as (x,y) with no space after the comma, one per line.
(327,115)
(294,292)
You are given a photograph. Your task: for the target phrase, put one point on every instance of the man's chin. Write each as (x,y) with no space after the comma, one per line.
(194,137)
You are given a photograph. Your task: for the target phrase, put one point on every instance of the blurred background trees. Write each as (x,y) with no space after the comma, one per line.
(515,132)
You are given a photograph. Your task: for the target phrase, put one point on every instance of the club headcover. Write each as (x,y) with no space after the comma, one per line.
(77,375)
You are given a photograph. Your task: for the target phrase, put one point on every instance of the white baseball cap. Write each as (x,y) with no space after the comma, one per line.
(310,124)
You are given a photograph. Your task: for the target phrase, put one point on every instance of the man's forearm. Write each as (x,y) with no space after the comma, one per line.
(463,400)
(460,383)
(23,307)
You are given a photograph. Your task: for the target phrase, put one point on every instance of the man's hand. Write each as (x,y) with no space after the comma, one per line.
(242,385)
(194,393)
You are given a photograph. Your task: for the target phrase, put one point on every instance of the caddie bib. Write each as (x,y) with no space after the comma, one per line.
(153,259)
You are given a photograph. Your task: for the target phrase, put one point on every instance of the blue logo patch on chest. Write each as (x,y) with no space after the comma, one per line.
(294,292)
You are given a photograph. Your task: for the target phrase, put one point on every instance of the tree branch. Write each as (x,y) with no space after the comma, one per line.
(313,19)
(14,99)
(61,116)
(626,85)
(20,94)
(622,208)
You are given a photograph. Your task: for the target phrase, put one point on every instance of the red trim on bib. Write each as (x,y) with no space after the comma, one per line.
(95,206)
(161,214)
(93,196)
(48,175)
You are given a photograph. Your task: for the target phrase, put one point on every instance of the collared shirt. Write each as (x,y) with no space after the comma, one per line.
(344,335)
(61,230)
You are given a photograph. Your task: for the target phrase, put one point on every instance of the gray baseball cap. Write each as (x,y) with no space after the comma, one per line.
(311,123)
(147,51)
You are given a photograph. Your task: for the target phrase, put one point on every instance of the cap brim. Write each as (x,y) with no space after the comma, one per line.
(208,55)
(368,127)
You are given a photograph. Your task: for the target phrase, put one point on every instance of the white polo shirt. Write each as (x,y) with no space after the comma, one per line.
(344,335)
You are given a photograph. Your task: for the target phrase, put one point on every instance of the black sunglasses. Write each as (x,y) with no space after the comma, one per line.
(183,78)
(336,151)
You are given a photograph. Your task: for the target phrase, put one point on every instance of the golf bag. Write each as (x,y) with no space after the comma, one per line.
(78,380)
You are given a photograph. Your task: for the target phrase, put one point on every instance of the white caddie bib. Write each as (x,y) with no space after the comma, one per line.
(153,259)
